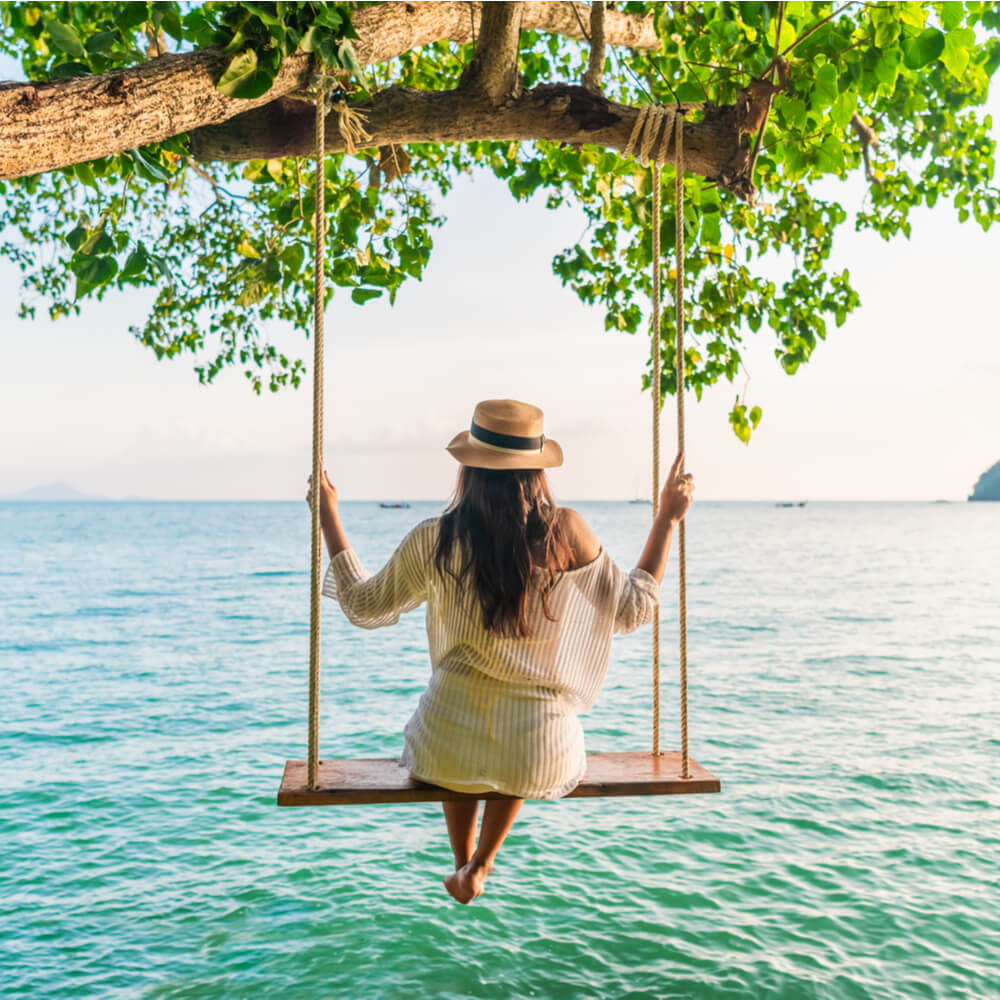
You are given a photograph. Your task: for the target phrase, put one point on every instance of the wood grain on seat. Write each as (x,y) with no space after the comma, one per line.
(356,782)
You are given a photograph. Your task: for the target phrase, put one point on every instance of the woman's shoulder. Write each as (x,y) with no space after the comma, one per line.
(579,535)
(426,530)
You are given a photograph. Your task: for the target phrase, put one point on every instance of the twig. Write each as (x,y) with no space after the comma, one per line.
(206,176)
(767,110)
(815,27)
(298,189)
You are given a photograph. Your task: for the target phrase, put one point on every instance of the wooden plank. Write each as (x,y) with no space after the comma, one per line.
(356,782)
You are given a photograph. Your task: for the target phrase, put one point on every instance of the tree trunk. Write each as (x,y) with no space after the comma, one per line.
(44,126)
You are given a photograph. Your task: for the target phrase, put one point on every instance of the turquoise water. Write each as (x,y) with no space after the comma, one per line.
(845,661)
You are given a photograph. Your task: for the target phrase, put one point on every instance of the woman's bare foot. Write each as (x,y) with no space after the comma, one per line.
(467,883)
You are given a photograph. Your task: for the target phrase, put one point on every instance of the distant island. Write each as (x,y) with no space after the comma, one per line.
(53,491)
(988,486)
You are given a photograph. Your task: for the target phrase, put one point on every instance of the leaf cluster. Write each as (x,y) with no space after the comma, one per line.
(225,248)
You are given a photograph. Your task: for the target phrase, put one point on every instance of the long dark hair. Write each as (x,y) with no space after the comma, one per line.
(501,520)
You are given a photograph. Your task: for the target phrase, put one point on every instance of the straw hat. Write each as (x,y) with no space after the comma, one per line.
(505,434)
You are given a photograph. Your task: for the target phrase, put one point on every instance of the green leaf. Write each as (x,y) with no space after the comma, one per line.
(755,415)
(293,257)
(738,420)
(244,78)
(958,47)
(100,44)
(363,295)
(825,90)
(148,168)
(65,38)
(844,107)
(914,13)
(246,249)
(68,69)
(92,272)
(310,40)
(923,49)
(795,112)
(76,237)
(97,243)
(951,14)
(887,68)
(265,11)
(136,263)
(276,168)
(886,26)
(349,60)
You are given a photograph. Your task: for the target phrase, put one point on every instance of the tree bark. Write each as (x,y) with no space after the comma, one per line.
(595,65)
(555,112)
(492,71)
(44,126)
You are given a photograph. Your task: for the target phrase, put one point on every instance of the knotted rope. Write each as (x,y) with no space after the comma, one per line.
(351,126)
(649,142)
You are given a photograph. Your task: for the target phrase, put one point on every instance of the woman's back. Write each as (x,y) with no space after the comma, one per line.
(508,701)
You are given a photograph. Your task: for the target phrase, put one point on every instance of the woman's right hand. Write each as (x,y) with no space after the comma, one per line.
(328,494)
(678,491)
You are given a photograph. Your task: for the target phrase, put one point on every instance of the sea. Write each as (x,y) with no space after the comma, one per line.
(844,686)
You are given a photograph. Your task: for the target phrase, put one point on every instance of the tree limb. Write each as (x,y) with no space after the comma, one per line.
(595,65)
(44,126)
(492,71)
(554,112)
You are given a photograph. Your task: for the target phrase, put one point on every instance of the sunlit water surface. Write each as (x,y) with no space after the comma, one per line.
(844,685)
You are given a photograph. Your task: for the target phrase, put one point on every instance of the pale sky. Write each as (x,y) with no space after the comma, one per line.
(902,403)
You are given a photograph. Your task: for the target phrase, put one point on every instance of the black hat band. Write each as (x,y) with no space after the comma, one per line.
(508,442)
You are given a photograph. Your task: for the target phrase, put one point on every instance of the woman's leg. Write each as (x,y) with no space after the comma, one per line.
(461,819)
(498,818)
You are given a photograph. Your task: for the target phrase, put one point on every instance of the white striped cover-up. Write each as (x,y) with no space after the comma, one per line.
(498,713)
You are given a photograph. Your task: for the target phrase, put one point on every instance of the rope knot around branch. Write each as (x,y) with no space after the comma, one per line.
(350,121)
(653,133)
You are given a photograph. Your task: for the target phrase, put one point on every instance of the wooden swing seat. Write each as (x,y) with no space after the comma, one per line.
(357,782)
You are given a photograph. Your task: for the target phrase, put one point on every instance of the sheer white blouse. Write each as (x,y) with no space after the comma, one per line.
(498,713)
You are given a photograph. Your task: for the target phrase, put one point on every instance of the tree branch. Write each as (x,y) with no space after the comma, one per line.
(44,126)
(554,112)
(595,65)
(492,71)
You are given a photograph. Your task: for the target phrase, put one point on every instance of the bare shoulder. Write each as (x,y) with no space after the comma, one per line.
(581,537)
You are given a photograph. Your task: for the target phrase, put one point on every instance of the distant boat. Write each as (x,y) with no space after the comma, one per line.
(640,500)
(394,506)
(797,503)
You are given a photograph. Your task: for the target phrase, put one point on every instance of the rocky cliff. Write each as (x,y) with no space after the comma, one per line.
(988,486)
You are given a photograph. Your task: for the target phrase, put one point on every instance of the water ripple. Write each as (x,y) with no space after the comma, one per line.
(153,689)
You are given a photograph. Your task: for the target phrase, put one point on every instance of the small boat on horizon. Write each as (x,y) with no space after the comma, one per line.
(394,506)
(640,500)
(795,503)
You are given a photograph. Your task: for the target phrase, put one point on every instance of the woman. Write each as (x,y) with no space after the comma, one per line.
(521,605)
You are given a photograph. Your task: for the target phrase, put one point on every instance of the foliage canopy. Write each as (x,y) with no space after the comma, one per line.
(226,245)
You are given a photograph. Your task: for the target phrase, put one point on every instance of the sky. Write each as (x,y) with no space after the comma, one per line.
(901,403)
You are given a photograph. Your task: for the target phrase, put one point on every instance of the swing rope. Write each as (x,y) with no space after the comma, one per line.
(679,368)
(351,125)
(316,565)
(649,142)
(655,393)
